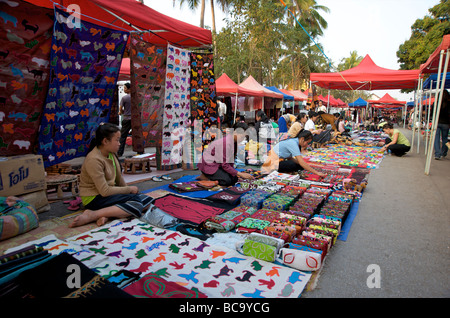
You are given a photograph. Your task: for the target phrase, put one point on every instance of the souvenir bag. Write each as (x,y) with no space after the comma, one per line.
(278,202)
(300,259)
(225,196)
(311,243)
(269,240)
(324,238)
(292,220)
(207,184)
(251,225)
(328,221)
(246,209)
(333,233)
(257,250)
(186,186)
(226,222)
(284,232)
(266,214)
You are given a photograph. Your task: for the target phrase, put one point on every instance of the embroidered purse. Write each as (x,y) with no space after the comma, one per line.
(299,259)
(258,250)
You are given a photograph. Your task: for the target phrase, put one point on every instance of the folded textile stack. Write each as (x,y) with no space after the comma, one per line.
(338,206)
(308,204)
(254,198)
(296,191)
(279,202)
(226,221)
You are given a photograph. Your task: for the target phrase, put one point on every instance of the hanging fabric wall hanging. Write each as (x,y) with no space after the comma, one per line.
(84,65)
(25,41)
(148,69)
(177,107)
(203,89)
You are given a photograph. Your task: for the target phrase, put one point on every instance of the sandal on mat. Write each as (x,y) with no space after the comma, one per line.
(157,179)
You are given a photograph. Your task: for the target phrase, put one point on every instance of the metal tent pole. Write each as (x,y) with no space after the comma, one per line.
(437,105)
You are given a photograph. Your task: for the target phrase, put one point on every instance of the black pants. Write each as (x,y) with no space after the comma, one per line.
(396,149)
(124,131)
(225,179)
(288,166)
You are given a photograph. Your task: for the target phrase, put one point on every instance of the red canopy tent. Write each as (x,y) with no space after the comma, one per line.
(367,76)
(432,64)
(333,101)
(132,15)
(296,98)
(226,87)
(251,84)
(125,68)
(387,101)
(298,95)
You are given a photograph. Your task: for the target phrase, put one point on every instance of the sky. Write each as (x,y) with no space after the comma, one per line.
(374,27)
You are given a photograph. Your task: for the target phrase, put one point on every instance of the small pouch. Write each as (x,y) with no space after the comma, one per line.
(226,221)
(311,243)
(269,240)
(299,259)
(277,230)
(257,250)
(251,225)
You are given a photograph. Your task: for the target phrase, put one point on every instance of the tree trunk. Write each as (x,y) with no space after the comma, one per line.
(213,27)
(202,14)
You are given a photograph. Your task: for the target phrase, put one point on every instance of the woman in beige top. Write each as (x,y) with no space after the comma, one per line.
(103,190)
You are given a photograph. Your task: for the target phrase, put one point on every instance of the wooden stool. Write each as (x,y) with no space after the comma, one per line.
(58,180)
(136,165)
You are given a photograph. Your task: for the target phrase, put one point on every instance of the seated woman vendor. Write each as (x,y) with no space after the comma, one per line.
(102,188)
(286,156)
(217,162)
(397,143)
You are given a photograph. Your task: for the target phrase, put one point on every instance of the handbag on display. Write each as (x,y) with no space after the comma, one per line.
(257,250)
(269,240)
(300,259)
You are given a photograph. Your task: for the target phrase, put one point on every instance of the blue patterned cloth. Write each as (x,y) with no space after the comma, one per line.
(84,66)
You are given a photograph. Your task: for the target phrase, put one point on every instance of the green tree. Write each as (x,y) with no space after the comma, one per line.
(262,40)
(426,35)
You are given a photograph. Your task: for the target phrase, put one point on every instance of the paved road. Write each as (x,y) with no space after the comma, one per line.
(403,227)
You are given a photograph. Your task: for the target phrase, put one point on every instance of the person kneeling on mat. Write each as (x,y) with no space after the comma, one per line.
(286,156)
(217,162)
(397,143)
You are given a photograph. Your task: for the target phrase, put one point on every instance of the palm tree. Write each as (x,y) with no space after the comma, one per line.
(193,4)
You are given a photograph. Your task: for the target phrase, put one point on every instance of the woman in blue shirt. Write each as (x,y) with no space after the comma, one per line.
(286,156)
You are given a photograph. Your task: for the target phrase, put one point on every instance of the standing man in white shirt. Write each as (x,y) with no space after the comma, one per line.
(222,109)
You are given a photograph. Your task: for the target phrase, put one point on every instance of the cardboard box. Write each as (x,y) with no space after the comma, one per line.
(21,174)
